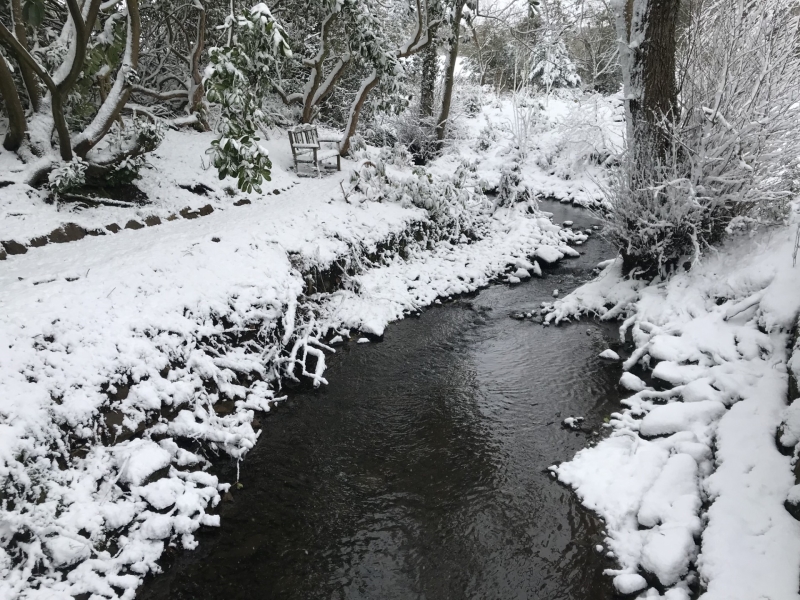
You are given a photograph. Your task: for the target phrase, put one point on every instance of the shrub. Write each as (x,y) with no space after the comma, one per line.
(67,176)
(732,153)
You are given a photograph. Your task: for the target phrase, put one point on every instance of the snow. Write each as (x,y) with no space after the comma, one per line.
(671,418)
(24,214)
(700,461)
(629,583)
(138,459)
(120,346)
(631,382)
(570,140)
(609,354)
(549,255)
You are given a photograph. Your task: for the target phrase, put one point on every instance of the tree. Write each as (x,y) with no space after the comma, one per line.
(74,57)
(722,153)
(647,29)
(456,15)
(170,62)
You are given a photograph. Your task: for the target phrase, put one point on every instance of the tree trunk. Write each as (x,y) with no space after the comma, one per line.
(653,98)
(120,92)
(316,65)
(449,76)
(16,115)
(648,65)
(430,70)
(28,76)
(352,122)
(196,92)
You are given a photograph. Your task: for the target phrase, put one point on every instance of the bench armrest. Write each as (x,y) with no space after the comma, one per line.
(305,145)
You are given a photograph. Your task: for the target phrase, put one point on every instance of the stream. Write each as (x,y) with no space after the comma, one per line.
(420,470)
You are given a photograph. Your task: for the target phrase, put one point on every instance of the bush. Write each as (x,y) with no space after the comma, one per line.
(456,206)
(67,176)
(732,155)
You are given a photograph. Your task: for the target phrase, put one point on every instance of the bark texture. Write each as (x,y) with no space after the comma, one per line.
(430,69)
(654,102)
(28,76)
(16,115)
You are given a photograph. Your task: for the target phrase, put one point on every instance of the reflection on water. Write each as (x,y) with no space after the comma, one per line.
(420,471)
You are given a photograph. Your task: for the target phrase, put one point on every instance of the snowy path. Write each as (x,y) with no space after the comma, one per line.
(699,460)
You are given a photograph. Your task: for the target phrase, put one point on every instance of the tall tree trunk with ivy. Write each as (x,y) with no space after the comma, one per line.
(430,70)
(450,73)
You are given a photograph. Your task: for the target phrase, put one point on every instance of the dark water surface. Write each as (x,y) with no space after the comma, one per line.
(420,471)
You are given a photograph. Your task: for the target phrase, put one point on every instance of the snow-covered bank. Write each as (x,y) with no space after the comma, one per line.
(696,460)
(129,358)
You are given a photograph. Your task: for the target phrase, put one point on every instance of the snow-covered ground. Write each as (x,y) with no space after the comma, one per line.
(128,358)
(168,181)
(691,483)
(561,145)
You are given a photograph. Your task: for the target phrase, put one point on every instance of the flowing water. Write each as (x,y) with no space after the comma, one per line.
(420,471)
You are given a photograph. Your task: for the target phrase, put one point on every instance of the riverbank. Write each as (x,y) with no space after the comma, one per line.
(426,453)
(131,358)
(696,477)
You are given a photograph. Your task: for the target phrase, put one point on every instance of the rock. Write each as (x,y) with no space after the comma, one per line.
(132,224)
(792,503)
(13,247)
(152,220)
(573,423)
(555,293)
(69,232)
(609,354)
(188,213)
(548,254)
(631,382)
(567,224)
(629,583)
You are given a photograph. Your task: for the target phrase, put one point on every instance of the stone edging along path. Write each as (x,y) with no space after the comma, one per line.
(72,232)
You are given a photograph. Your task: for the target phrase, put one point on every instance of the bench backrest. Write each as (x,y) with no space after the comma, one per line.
(305,135)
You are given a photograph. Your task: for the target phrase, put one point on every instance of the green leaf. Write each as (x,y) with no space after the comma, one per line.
(33,12)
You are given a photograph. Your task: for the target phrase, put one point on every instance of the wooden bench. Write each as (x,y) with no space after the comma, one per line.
(306,148)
